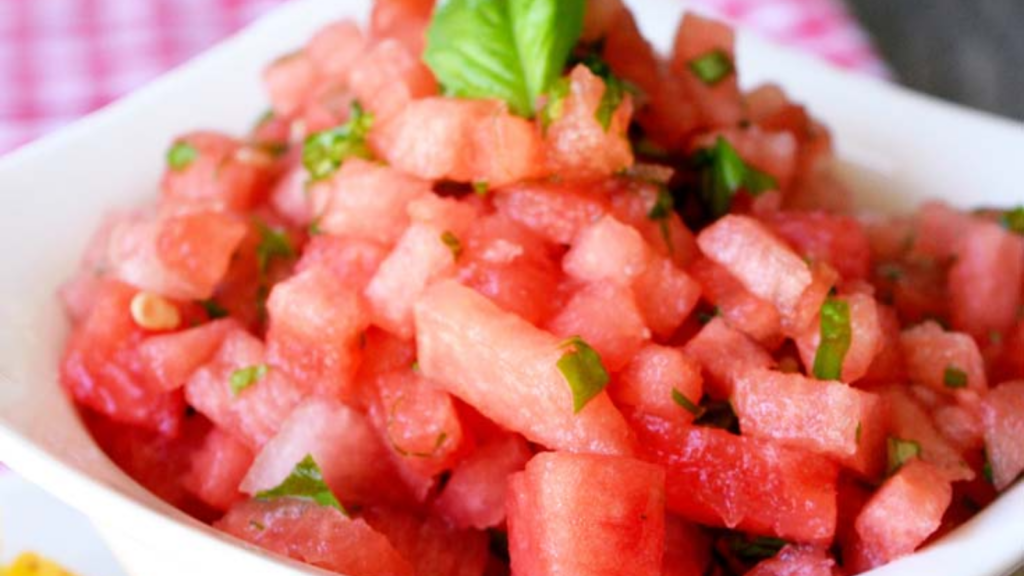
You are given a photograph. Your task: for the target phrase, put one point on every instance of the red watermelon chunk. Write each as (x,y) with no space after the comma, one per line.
(665,296)
(587,515)
(430,545)
(722,370)
(909,421)
(352,261)
(865,338)
(507,369)
(101,367)
(796,561)
(667,236)
(940,229)
(254,414)
(558,212)
(469,141)
(315,329)
(907,509)
(607,250)
(687,549)
(342,441)
(745,483)
(474,496)
(366,200)
(405,20)
(985,280)
(317,535)
(829,418)
(288,81)
(427,251)
(961,425)
(934,356)
(888,364)
(170,359)
(225,175)
(662,382)
(719,104)
(741,309)
(839,241)
(387,77)
(335,48)
(218,469)
(579,148)
(1003,417)
(288,196)
(1011,364)
(607,317)
(418,421)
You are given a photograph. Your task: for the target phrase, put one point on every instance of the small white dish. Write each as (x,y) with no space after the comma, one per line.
(898,148)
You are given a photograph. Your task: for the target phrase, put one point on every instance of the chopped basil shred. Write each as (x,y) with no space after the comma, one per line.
(712,67)
(555,105)
(453,243)
(900,452)
(213,309)
(273,244)
(615,89)
(481,187)
(306,482)
(723,173)
(687,404)
(583,371)
(954,377)
(986,469)
(243,378)
(755,549)
(836,335)
(664,204)
(513,50)
(718,414)
(181,156)
(324,152)
(1013,220)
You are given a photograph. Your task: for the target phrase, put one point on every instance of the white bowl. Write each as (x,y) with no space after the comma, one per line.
(899,149)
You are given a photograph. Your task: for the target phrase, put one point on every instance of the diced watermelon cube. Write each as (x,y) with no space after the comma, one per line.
(907,509)
(225,175)
(910,422)
(829,418)
(418,421)
(961,425)
(317,535)
(218,469)
(387,77)
(511,265)
(986,278)
(335,48)
(741,309)
(739,482)
(474,496)
(1011,365)
(255,413)
(366,200)
(606,316)
(653,381)
(507,369)
(351,261)
(383,352)
(665,296)
(288,196)
(722,370)
(1003,417)
(939,230)
(354,462)
(461,140)
(719,104)
(865,338)
(687,549)
(430,545)
(888,365)
(405,20)
(587,515)
(837,240)
(607,250)
(170,359)
(101,367)
(796,561)
(288,81)
(315,328)
(427,251)
(579,147)
(556,211)
(944,361)
(667,236)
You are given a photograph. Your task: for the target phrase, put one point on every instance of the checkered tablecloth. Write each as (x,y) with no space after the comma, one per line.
(61,59)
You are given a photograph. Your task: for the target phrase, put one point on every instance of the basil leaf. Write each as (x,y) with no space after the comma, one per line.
(555,106)
(663,205)
(452,242)
(1013,220)
(688,405)
(954,377)
(213,309)
(181,156)
(513,50)
(755,549)
(306,482)
(723,173)
(836,335)
(273,244)
(900,452)
(583,370)
(712,67)
(324,152)
(246,377)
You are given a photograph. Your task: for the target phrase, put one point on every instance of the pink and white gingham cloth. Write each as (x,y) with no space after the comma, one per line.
(61,59)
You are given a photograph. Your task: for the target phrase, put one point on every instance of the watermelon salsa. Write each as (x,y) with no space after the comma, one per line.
(495,289)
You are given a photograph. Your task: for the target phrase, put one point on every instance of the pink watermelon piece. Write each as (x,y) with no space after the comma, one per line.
(741,309)
(606,316)
(632,203)
(288,81)
(430,545)
(719,104)
(317,535)
(839,241)
(224,176)
(587,515)
(796,561)
(721,371)
(865,338)
(687,548)
(888,365)
(932,354)
(335,48)
(940,228)
(170,359)
(474,496)
(556,211)
(387,78)
(661,381)
(217,470)
(507,369)
(770,151)
(985,280)
(607,250)
(351,261)
(1003,417)
(665,295)
(909,421)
